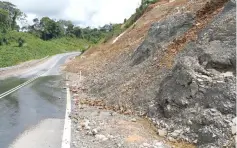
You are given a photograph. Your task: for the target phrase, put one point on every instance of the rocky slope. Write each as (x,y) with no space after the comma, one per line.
(181,74)
(201,86)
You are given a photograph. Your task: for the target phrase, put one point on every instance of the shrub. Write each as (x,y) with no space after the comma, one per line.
(21,42)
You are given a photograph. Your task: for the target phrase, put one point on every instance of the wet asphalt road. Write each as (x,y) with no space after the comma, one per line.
(33,109)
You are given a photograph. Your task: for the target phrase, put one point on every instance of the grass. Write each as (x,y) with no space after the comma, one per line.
(35,48)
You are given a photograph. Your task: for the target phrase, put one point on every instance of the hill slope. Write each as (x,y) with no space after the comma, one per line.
(169,66)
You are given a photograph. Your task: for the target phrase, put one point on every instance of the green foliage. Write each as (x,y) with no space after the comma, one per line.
(77,31)
(4,20)
(21,42)
(139,12)
(13,14)
(50,29)
(35,48)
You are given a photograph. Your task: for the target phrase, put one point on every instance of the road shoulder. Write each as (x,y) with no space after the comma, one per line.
(20,68)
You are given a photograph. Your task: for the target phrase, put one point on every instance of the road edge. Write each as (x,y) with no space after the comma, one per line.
(66,139)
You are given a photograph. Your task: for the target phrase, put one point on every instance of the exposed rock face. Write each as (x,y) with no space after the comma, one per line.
(199,96)
(162,33)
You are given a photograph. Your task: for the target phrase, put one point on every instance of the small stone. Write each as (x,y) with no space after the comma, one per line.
(89,133)
(134,120)
(119,145)
(171,139)
(75,95)
(190,122)
(101,137)
(74,120)
(87,127)
(158,144)
(146,145)
(233,129)
(78,129)
(94,131)
(213,110)
(85,123)
(195,141)
(234,120)
(176,133)
(110,136)
(162,132)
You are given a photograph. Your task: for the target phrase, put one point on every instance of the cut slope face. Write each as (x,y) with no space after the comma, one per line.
(152,75)
(201,86)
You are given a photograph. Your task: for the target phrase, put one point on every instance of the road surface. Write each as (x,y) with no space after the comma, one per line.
(33,116)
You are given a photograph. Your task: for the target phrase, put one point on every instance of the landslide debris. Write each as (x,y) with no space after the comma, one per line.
(181,74)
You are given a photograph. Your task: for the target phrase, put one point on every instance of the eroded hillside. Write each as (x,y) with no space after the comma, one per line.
(175,65)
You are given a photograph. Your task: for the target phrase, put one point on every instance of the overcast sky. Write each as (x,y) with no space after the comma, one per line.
(81,12)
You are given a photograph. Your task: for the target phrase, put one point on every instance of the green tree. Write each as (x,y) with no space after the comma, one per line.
(50,29)
(14,14)
(69,29)
(4,20)
(78,32)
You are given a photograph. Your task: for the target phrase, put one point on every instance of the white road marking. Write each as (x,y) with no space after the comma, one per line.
(25,83)
(19,86)
(66,140)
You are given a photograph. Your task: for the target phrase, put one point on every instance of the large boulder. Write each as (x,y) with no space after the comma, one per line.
(199,95)
(161,33)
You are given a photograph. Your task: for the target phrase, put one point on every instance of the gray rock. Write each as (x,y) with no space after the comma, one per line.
(94,131)
(134,120)
(146,145)
(159,145)
(85,123)
(101,137)
(89,133)
(162,33)
(233,129)
(119,145)
(162,132)
(87,127)
(176,133)
(110,136)
(234,120)
(171,139)
(200,91)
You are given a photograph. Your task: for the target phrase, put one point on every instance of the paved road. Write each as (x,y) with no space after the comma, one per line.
(33,116)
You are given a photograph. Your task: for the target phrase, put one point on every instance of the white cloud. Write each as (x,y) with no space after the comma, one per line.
(83,12)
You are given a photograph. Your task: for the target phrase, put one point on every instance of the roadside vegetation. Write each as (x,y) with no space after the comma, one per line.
(44,37)
(47,36)
(35,48)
